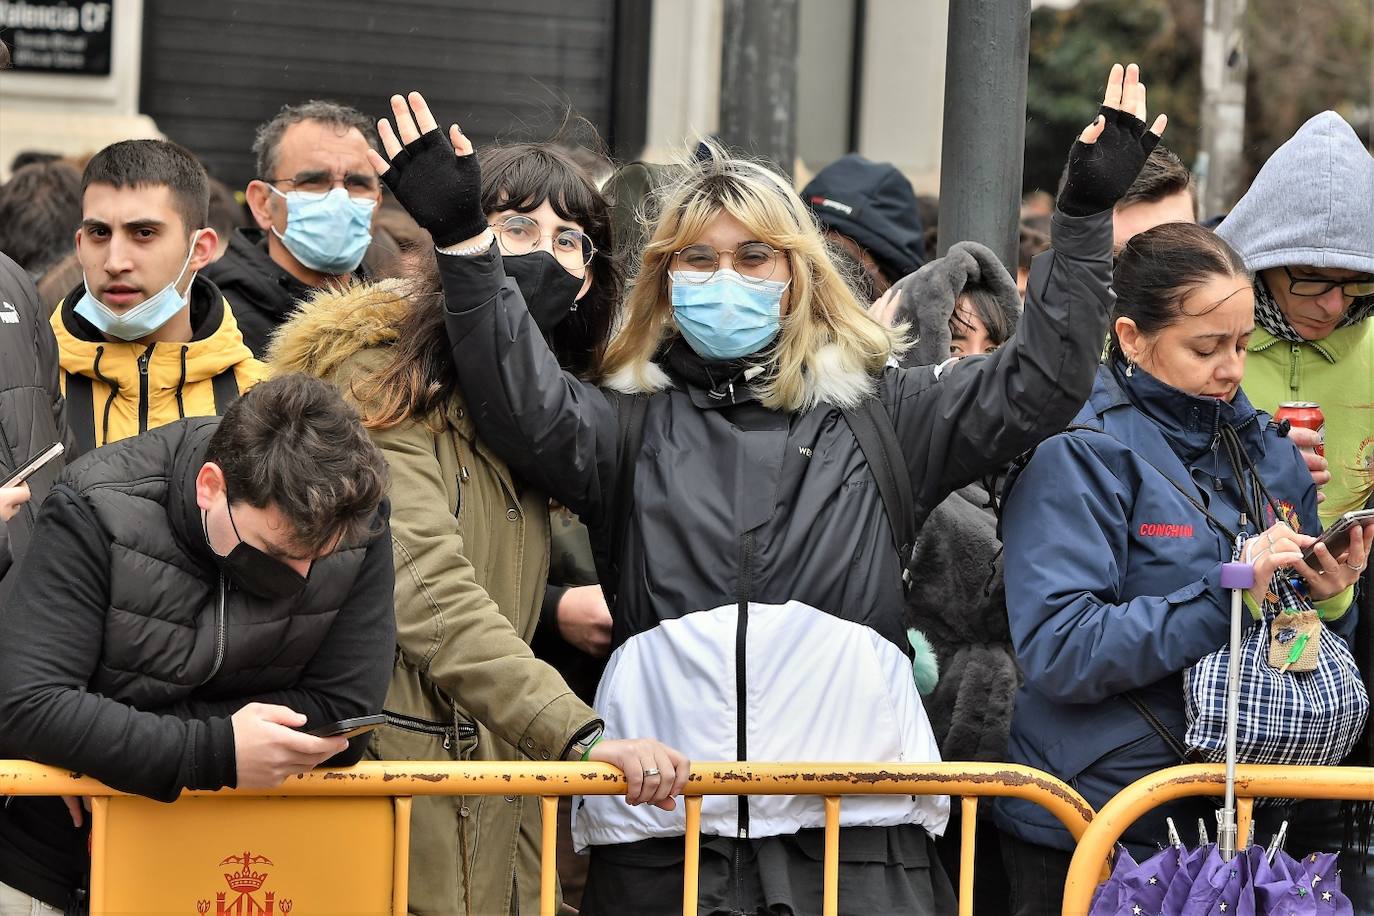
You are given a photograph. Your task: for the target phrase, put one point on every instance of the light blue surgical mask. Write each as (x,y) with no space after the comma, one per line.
(142,319)
(727,316)
(327,232)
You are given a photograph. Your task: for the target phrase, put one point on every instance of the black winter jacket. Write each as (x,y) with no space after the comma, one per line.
(260,292)
(760,606)
(32,412)
(123,653)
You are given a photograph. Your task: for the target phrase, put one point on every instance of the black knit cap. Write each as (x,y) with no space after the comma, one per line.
(873,204)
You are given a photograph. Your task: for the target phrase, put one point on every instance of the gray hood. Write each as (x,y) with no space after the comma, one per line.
(1311,204)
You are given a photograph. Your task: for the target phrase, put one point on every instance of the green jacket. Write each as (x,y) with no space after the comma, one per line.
(1337,373)
(472,553)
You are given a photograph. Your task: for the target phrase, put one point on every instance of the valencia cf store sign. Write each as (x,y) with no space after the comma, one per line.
(58,36)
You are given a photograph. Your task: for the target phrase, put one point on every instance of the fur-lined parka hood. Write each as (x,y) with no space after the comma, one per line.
(333,326)
(835,380)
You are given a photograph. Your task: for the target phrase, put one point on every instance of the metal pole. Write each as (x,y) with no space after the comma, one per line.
(985,124)
(1223,104)
(758,80)
(1236,576)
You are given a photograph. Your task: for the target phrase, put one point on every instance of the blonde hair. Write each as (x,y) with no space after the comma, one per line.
(827,331)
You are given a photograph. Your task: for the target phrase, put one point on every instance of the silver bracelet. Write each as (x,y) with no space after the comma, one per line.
(477,247)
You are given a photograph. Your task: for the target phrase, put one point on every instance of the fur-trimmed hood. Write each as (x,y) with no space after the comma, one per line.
(333,326)
(835,379)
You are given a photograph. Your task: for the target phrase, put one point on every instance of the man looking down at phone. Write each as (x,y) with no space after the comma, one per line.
(194,596)
(146,339)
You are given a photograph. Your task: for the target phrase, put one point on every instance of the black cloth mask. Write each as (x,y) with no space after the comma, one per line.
(253,571)
(550,291)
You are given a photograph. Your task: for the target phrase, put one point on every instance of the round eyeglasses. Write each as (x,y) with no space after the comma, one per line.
(518,235)
(755,261)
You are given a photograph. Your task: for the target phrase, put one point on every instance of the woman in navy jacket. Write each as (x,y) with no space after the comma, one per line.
(1113,573)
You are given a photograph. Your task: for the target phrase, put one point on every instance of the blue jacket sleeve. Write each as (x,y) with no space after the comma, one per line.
(1077,640)
(554,430)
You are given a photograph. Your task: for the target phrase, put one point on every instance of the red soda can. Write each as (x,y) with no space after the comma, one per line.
(1308,415)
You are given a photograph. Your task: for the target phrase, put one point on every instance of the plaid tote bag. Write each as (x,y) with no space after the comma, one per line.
(1310,717)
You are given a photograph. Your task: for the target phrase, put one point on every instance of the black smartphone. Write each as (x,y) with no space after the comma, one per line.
(347,728)
(1337,536)
(32,466)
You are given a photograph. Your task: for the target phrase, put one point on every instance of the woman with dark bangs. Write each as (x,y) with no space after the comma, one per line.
(471,541)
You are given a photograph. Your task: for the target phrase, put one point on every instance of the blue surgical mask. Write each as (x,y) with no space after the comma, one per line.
(327,232)
(142,319)
(727,316)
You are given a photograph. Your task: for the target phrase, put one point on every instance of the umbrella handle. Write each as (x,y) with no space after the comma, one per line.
(1237,577)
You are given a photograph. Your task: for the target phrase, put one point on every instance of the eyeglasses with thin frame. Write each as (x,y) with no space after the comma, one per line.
(1306,286)
(357,185)
(754,261)
(520,235)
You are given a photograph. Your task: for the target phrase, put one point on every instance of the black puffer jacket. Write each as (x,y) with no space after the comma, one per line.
(123,654)
(32,412)
(760,606)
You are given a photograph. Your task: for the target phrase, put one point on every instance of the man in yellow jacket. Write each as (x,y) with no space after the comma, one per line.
(145,340)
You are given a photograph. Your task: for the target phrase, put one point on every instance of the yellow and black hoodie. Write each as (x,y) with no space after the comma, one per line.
(115,390)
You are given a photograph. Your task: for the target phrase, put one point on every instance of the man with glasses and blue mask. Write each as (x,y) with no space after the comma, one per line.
(146,339)
(314,201)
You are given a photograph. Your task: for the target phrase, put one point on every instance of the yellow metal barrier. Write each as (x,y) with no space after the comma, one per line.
(152,858)
(1148,793)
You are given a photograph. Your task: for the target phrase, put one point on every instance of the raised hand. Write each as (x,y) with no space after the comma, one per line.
(436,179)
(1111,150)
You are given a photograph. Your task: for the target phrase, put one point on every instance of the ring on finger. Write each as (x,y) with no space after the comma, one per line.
(650,771)
(1359,568)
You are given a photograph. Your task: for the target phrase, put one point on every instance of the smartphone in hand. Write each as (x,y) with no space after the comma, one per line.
(28,468)
(347,728)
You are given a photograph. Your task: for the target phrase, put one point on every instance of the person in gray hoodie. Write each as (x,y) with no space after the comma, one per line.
(1306,230)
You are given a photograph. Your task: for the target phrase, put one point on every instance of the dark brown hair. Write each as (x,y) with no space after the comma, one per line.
(40,211)
(149,163)
(1158,268)
(294,444)
(419,375)
(1162,175)
(988,309)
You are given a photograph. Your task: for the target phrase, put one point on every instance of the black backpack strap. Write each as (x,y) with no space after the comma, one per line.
(878,441)
(610,535)
(226,388)
(81,411)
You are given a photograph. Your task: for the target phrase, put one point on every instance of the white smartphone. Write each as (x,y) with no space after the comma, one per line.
(1337,536)
(31,467)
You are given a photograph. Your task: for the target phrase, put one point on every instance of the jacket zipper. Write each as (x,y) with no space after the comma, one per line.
(143,388)
(741,730)
(434,729)
(1294,354)
(221,637)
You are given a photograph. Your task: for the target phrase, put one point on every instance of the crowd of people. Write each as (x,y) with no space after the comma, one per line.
(676,463)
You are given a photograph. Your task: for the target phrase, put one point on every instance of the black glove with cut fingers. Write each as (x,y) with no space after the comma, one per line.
(440,190)
(1100,173)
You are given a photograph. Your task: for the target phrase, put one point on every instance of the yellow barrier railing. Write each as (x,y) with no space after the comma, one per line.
(397,782)
(1148,793)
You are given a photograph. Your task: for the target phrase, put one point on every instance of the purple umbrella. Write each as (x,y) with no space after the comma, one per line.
(1218,879)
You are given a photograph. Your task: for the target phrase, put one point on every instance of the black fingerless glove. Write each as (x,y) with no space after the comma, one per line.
(1100,173)
(443,192)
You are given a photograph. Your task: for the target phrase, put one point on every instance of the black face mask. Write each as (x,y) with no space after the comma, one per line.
(252,570)
(550,291)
